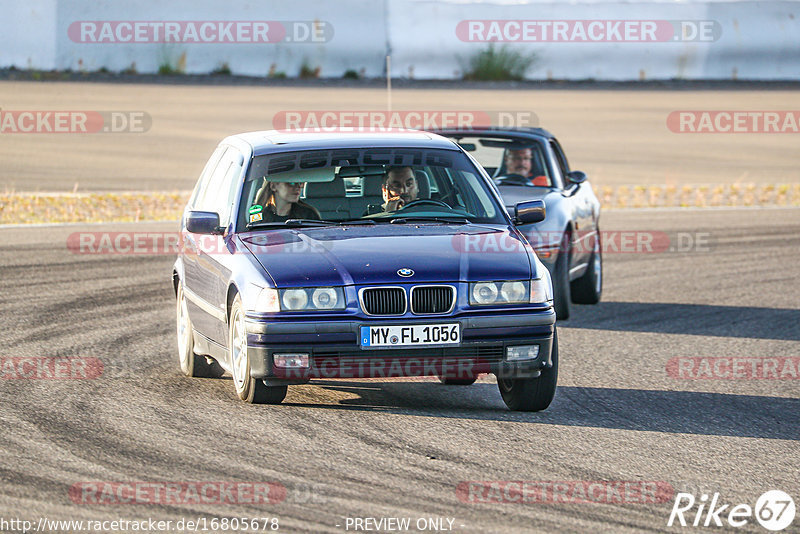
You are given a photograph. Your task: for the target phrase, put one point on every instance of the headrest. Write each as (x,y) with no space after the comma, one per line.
(423,184)
(333,189)
(373,186)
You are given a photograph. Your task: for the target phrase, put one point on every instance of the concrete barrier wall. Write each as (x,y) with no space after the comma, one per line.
(753,40)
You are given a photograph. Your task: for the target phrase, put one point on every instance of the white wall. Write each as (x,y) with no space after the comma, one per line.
(758,41)
(27,34)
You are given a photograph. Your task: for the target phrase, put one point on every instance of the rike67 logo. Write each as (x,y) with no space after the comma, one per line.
(774,510)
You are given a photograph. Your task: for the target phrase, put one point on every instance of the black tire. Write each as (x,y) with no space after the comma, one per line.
(248,389)
(588,288)
(457,381)
(561,285)
(191,364)
(531,394)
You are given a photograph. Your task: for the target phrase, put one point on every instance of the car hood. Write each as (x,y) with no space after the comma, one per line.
(329,256)
(514,194)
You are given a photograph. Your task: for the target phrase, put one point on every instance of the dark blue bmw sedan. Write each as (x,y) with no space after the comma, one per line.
(353,255)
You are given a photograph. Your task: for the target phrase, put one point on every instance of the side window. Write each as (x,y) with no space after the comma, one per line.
(208,170)
(232,186)
(561,159)
(217,195)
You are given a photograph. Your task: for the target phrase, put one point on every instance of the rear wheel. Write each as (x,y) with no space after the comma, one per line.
(561,285)
(248,389)
(588,288)
(191,364)
(531,394)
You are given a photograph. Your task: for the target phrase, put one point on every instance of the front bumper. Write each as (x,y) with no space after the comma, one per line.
(334,351)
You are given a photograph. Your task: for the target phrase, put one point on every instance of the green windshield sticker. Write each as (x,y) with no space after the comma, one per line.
(256,209)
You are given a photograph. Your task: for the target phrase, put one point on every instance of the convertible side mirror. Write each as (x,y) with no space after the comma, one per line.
(576,177)
(204,222)
(530,211)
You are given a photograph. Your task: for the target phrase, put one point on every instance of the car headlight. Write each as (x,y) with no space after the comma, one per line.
(492,293)
(294,299)
(267,301)
(483,293)
(324,298)
(313,298)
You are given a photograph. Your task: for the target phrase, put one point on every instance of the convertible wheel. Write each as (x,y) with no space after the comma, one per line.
(248,389)
(191,364)
(531,394)
(457,381)
(561,285)
(588,288)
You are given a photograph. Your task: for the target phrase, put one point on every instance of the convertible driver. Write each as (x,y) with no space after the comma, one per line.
(520,161)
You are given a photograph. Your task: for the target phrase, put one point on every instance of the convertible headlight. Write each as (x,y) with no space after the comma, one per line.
(267,301)
(492,293)
(312,298)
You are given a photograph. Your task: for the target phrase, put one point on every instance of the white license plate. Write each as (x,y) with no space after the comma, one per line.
(410,335)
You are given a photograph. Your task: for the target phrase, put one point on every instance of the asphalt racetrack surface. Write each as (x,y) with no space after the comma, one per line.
(370,448)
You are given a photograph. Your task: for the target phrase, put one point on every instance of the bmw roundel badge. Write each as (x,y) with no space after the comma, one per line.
(405,272)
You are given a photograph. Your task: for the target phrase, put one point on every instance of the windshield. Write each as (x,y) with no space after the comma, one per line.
(510,161)
(380,185)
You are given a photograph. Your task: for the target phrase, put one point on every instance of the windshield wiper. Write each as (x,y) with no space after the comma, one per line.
(356,221)
(291,223)
(422,218)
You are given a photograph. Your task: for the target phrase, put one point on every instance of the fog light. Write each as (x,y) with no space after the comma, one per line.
(295,361)
(525,352)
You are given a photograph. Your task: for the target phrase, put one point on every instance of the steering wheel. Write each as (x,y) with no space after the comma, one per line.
(512,179)
(426,201)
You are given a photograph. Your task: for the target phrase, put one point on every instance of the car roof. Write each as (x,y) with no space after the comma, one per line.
(495,131)
(273,141)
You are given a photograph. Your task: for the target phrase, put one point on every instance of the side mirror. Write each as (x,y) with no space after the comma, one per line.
(531,211)
(204,222)
(576,177)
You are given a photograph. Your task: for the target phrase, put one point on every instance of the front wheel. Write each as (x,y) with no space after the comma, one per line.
(531,394)
(588,288)
(248,389)
(561,285)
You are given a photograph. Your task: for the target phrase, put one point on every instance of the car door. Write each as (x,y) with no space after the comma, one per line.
(191,244)
(580,200)
(211,274)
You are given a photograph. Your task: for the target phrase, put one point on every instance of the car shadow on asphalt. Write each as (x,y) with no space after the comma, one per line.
(691,319)
(676,412)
